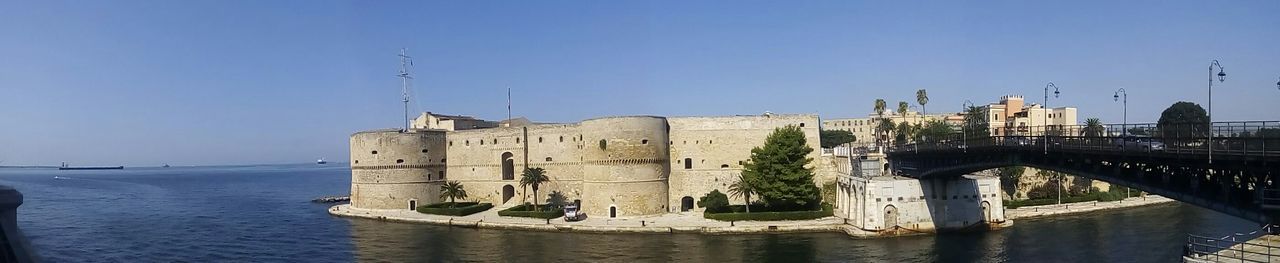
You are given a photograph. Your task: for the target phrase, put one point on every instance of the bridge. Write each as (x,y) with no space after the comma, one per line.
(1233,171)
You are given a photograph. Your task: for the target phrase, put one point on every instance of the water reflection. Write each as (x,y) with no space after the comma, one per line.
(1150,234)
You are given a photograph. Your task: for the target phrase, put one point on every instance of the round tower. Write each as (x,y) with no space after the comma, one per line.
(624,166)
(391,169)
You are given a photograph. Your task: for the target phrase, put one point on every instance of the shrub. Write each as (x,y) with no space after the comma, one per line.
(769,216)
(454,209)
(1109,196)
(545,212)
(715,201)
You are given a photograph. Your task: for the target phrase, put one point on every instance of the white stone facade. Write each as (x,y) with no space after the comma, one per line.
(899,203)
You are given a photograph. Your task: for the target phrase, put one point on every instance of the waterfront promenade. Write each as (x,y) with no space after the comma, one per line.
(1082,207)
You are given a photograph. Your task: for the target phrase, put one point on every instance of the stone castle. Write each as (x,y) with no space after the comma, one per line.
(613,166)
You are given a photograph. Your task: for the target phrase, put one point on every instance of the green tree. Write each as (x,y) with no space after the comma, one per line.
(778,171)
(533,177)
(975,122)
(1093,128)
(742,189)
(833,138)
(453,190)
(714,202)
(884,126)
(880,107)
(903,107)
(1010,176)
(902,132)
(557,199)
(922,97)
(934,130)
(1183,119)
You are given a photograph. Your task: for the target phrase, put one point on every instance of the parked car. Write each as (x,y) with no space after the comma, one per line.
(572,213)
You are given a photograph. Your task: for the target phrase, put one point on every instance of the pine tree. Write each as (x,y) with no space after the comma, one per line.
(778,171)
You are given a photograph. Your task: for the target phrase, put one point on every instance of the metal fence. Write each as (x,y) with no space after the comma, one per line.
(1234,247)
(1253,138)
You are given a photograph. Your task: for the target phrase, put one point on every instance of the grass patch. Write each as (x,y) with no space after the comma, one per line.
(1093,196)
(739,214)
(454,209)
(525,210)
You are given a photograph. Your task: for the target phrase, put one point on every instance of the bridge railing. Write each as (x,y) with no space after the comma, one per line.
(1192,139)
(1234,247)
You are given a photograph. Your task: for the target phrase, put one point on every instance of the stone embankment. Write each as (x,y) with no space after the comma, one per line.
(331,199)
(662,224)
(1082,207)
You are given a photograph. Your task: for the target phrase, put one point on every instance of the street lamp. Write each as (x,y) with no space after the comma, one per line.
(1123,129)
(964,130)
(1046,113)
(1222,76)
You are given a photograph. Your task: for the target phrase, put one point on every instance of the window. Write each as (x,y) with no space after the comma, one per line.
(495,140)
(482,142)
(399,160)
(603,144)
(357,161)
(688,163)
(517,140)
(450,143)
(442,160)
(644,141)
(802,125)
(424,150)
(539,139)
(467,142)
(724,166)
(441,173)
(709,141)
(548,159)
(374,152)
(561,138)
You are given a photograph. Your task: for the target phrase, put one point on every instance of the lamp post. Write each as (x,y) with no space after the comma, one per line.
(1222,76)
(1046,113)
(1123,126)
(964,130)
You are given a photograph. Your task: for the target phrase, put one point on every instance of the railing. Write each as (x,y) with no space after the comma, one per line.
(1251,138)
(1233,247)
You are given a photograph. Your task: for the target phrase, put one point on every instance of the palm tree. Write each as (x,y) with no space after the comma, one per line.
(533,177)
(885,126)
(903,107)
(922,97)
(453,190)
(1093,127)
(742,189)
(881,106)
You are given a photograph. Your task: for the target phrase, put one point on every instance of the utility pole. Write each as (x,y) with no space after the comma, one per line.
(405,62)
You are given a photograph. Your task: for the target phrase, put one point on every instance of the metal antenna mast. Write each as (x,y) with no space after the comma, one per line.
(405,62)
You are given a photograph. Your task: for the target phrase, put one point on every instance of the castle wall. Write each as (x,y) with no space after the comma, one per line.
(390,168)
(478,161)
(717,148)
(882,203)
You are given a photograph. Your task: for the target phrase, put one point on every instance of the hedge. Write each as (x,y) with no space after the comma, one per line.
(546,212)
(770,216)
(460,209)
(1093,196)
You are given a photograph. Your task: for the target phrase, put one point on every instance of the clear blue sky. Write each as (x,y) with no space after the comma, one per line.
(236,82)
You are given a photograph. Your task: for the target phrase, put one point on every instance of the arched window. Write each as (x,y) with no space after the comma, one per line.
(466,142)
(517,140)
(548,159)
(688,163)
(561,138)
(508,166)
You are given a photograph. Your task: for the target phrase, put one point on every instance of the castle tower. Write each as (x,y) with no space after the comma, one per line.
(391,169)
(625,166)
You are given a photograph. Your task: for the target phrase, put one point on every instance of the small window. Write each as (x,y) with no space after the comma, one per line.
(481,142)
(450,143)
(802,125)
(742,162)
(709,141)
(603,144)
(548,159)
(877,199)
(539,139)
(424,150)
(688,163)
(374,152)
(495,140)
(899,198)
(644,141)
(399,160)
(517,139)
(442,160)
(561,138)
(357,161)
(722,166)
(467,142)
(441,173)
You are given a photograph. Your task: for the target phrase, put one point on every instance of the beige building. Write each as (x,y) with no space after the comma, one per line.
(1012,116)
(864,129)
(614,166)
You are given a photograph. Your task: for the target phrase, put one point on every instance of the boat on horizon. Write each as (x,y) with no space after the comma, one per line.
(321,161)
(67,167)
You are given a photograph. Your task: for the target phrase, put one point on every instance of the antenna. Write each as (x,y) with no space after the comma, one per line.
(405,62)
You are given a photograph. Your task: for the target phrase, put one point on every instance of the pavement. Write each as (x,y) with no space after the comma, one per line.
(1082,207)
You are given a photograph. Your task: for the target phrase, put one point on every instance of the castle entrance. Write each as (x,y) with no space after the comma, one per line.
(507,193)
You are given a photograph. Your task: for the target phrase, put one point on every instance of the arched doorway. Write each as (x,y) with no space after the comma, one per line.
(613,211)
(507,193)
(686,204)
(890,216)
(986,211)
(508,166)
